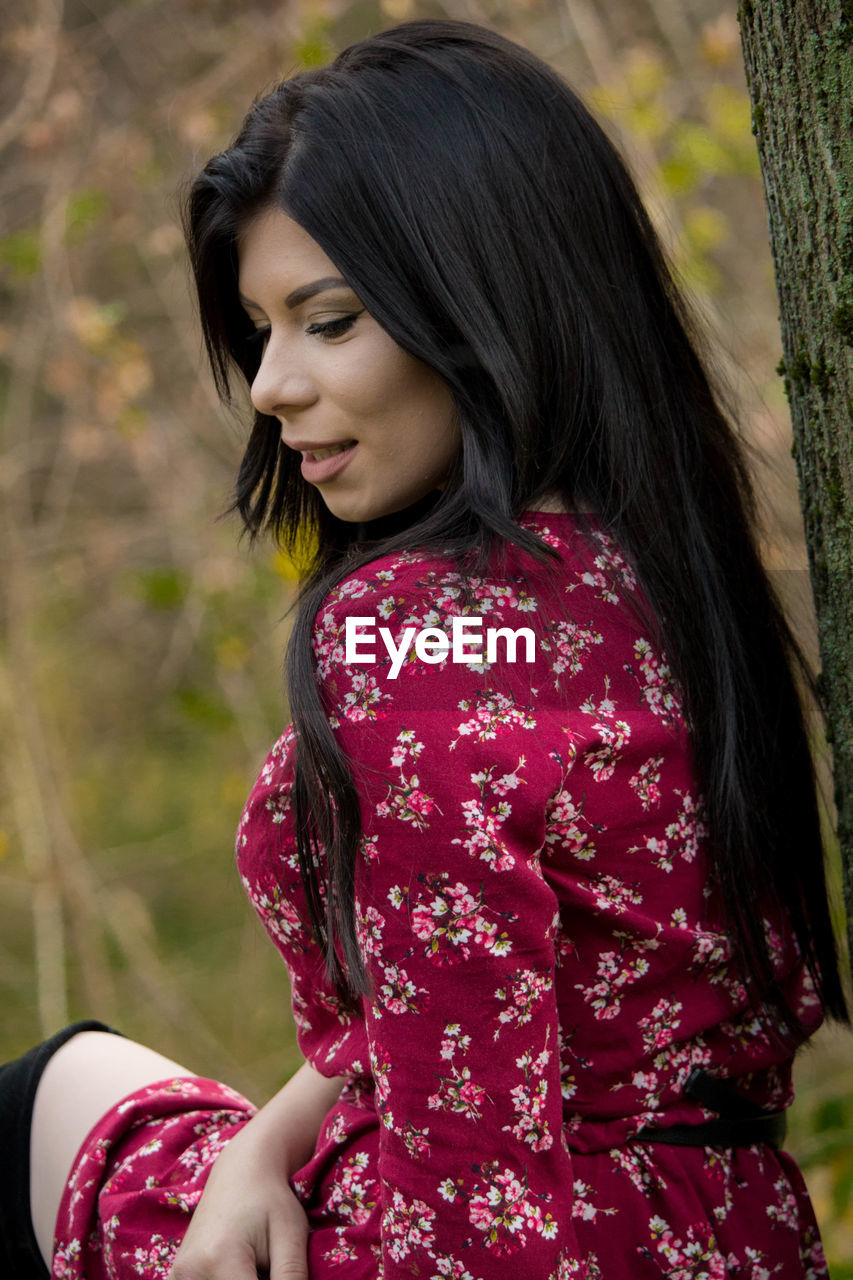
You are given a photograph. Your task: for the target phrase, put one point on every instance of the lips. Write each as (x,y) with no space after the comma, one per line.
(322,463)
(317,455)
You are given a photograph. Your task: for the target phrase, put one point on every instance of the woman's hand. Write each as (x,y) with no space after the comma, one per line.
(248,1221)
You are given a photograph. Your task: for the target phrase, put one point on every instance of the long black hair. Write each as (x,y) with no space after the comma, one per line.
(488,224)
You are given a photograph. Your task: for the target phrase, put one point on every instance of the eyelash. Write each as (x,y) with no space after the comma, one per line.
(334,328)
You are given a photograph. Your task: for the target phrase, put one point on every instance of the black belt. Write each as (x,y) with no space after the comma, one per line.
(739,1123)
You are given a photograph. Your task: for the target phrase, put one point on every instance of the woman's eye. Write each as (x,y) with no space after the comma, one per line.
(334,328)
(327,330)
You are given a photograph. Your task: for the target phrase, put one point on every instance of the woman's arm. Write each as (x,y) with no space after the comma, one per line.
(249,1219)
(291,1120)
(456,768)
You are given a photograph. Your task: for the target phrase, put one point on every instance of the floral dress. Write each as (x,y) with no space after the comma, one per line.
(535,914)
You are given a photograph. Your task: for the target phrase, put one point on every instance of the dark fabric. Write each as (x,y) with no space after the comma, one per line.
(739,1123)
(771,1129)
(20,1256)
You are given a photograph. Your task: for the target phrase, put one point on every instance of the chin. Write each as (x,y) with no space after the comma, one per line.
(381,521)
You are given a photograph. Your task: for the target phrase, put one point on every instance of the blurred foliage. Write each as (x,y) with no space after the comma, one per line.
(140,668)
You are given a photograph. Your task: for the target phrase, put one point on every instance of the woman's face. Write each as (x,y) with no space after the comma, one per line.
(337,382)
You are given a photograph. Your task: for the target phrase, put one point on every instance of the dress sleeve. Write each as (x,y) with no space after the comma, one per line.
(457,927)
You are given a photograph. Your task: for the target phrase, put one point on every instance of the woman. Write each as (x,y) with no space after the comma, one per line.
(552,903)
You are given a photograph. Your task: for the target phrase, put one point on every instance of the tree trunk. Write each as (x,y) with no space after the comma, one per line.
(799,65)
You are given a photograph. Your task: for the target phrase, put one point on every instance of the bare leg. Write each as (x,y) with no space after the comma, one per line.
(86,1076)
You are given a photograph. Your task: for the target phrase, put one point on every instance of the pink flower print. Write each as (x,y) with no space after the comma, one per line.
(712,956)
(813,1256)
(640,1167)
(600,583)
(449,1268)
(350,589)
(529,1101)
(717,1164)
(663,856)
(646,782)
(611,894)
(563,826)
(399,994)
(407,745)
(351,1193)
(407,803)
(660,1025)
(369,926)
(492,713)
(570,645)
(499,1210)
(774,943)
(612,734)
(484,819)
(453,1040)
(66,1261)
(542,532)
(362,700)
(611,572)
(369,847)
(277,914)
(695,1258)
(414,1140)
(380,1067)
(336,1130)
(277,805)
(689,828)
(186,1201)
(571,1268)
(523,993)
(420,803)
(329,645)
(407,1227)
(156,1260)
(785,1212)
(405,800)
(748,1033)
(341,1251)
(657,684)
(448,918)
(457,1093)
(616,971)
(582,1206)
(502,1211)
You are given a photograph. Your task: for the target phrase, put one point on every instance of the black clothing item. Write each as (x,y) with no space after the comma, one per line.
(739,1123)
(20,1256)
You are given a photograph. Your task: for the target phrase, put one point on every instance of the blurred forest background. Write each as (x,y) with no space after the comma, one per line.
(140,669)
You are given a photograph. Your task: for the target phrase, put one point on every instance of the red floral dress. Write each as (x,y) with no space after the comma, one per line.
(534,910)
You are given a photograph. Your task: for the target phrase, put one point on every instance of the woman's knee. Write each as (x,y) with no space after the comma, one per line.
(83,1080)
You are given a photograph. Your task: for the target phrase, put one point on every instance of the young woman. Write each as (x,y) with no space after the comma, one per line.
(541,847)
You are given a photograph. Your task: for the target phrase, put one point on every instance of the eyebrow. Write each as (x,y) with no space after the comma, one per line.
(304,291)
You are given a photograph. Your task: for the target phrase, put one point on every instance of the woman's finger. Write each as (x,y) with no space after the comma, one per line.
(289,1252)
(225,1262)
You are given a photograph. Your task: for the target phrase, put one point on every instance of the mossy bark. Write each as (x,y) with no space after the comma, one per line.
(799,65)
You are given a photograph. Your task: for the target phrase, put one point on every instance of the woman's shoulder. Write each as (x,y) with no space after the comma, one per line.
(584,549)
(419,613)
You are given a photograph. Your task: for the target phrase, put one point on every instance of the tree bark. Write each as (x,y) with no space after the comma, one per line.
(799,65)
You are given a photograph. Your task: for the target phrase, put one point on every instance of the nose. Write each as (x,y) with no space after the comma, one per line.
(280,384)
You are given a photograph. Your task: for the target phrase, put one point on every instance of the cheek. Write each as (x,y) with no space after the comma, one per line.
(376,377)
(401,407)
